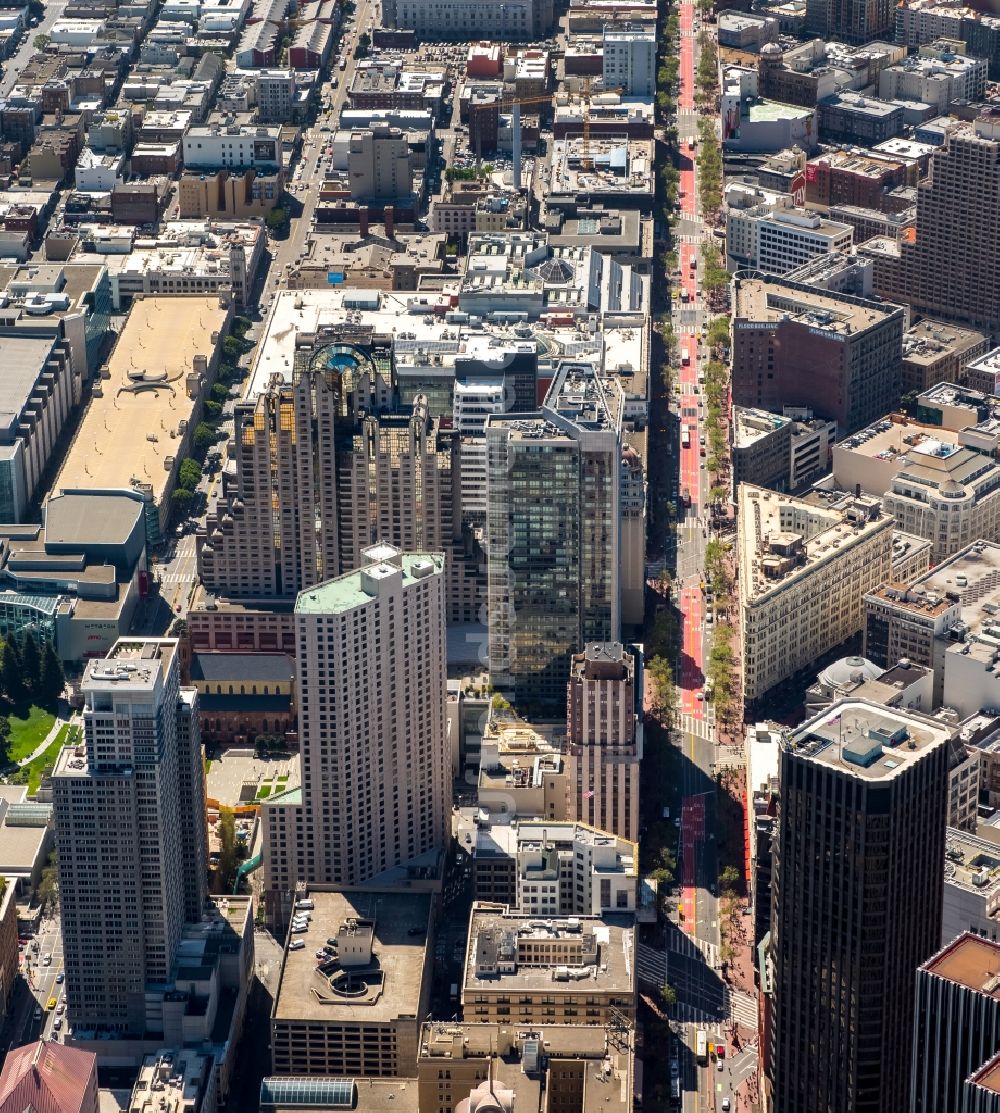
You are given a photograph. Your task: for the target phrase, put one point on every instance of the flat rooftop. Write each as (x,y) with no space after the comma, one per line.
(24,358)
(400,960)
(355,588)
(971,577)
(133,665)
(773,299)
(929,341)
(866,740)
(970,961)
(128,431)
(753,425)
(613,972)
(967,859)
(781,537)
(902,441)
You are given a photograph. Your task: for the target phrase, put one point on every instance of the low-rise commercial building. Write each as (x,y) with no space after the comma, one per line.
(140,421)
(181,1081)
(228,196)
(776,240)
(856,119)
(234,147)
(534,970)
(944,619)
(761,450)
(937,75)
(357,1011)
(983,373)
(938,352)
(523,772)
(469,20)
(558,1066)
(541,867)
(804,573)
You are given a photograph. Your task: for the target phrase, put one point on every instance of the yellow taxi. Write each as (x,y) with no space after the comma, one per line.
(51,1003)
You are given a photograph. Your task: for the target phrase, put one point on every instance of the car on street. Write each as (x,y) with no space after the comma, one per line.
(60,978)
(297,945)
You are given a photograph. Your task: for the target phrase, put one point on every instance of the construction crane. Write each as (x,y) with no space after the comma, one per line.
(585,160)
(512,105)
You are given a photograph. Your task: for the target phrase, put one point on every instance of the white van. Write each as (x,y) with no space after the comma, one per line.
(305,904)
(296,945)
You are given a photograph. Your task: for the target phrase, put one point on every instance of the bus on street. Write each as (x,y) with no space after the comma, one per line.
(701,1048)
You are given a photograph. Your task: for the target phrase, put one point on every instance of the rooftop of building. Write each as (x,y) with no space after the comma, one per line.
(604,948)
(217,667)
(516,1065)
(972,863)
(763,753)
(358,588)
(133,665)
(773,299)
(46,1075)
(864,105)
(130,432)
(170,1082)
(986,1078)
(903,440)
(989,362)
(91,519)
(607,165)
(970,578)
(24,359)
(865,740)
(392,983)
(503,836)
(928,341)
(781,537)
(751,426)
(970,961)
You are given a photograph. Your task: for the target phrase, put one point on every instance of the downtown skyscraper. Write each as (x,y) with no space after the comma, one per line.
(856,904)
(375,771)
(129,806)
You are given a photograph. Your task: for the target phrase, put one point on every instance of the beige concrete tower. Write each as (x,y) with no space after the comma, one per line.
(604,731)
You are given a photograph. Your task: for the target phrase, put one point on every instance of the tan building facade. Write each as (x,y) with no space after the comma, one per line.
(375,768)
(604,730)
(518,970)
(805,570)
(227,195)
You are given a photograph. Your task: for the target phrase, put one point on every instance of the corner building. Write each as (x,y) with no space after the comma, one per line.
(856,904)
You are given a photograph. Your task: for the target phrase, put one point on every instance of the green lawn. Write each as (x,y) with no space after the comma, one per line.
(26,734)
(36,769)
(264,791)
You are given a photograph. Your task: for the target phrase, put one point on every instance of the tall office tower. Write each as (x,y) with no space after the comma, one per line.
(856,903)
(630,59)
(633,538)
(604,731)
(956,1023)
(130,821)
(553,534)
(375,772)
(851,21)
(949,275)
